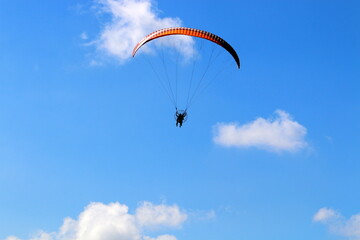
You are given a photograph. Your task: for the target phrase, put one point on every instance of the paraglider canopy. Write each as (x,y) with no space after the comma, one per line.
(189,32)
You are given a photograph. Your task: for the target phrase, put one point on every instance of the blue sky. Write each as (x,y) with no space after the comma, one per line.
(270,151)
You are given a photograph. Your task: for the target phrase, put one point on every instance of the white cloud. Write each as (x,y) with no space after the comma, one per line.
(113,221)
(338,224)
(278,134)
(132,20)
(12,238)
(43,236)
(150,215)
(325,214)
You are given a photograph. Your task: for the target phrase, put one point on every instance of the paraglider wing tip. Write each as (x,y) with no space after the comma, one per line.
(134,51)
(238,62)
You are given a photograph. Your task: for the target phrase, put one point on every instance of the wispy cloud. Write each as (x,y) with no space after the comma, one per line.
(12,238)
(101,221)
(338,224)
(150,215)
(277,134)
(202,215)
(84,36)
(162,237)
(132,20)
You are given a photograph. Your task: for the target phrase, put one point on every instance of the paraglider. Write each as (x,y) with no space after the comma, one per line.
(181,115)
